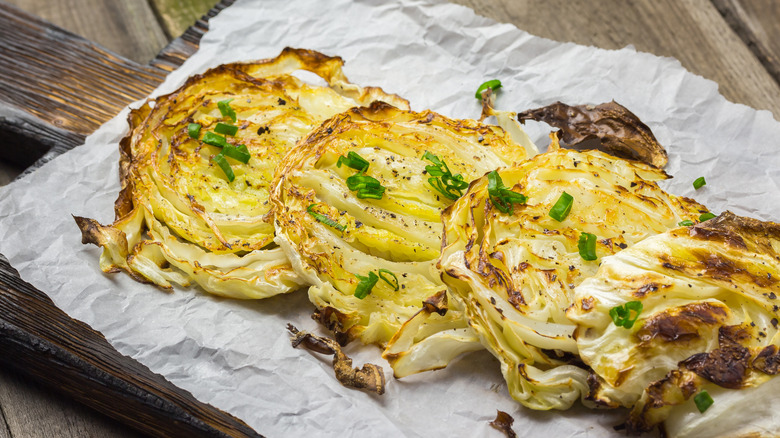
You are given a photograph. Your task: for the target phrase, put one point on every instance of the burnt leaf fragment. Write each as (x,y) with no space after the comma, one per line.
(503,422)
(370,377)
(608,127)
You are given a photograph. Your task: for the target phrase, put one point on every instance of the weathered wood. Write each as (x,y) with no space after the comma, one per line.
(757,23)
(36,338)
(127,27)
(32,411)
(176,16)
(692,31)
(58,87)
(175,53)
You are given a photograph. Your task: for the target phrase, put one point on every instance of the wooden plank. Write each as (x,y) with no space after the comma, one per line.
(36,337)
(175,53)
(32,411)
(128,27)
(692,31)
(56,87)
(176,16)
(757,23)
(5,432)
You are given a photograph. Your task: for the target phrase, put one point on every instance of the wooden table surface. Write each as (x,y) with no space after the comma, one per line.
(736,43)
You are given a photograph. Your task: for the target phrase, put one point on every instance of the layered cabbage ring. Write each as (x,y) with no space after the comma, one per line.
(332,233)
(515,273)
(710,296)
(180,217)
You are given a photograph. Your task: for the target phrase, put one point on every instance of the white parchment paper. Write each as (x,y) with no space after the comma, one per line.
(236,355)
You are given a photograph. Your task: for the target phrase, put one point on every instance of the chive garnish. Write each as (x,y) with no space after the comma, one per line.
(626,315)
(686,223)
(562,207)
(699,183)
(502,197)
(223,128)
(703,400)
(493,84)
(706,217)
(365,186)
(240,153)
(324,219)
(392,282)
(215,139)
(354,161)
(365,285)
(193,130)
(223,163)
(226,110)
(442,179)
(587,246)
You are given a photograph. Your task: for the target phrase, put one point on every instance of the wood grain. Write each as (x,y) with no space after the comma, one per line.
(175,16)
(175,53)
(56,81)
(693,31)
(757,23)
(128,28)
(33,411)
(36,337)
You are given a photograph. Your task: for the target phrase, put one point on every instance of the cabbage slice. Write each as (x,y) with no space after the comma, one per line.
(332,235)
(179,220)
(514,274)
(710,297)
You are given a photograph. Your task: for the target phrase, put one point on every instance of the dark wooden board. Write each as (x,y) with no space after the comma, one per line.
(56,88)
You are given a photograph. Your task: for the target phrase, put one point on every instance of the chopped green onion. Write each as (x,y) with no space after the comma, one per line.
(324,219)
(626,315)
(240,152)
(494,84)
(370,194)
(354,161)
(587,246)
(686,223)
(699,183)
(223,128)
(502,197)
(223,163)
(703,400)
(226,110)
(215,139)
(366,186)
(392,282)
(442,179)
(365,285)
(562,207)
(706,217)
(193,129)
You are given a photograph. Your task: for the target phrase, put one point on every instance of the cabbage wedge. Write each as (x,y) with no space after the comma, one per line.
(709,322)
(515,272)
(337,236)
(196,170)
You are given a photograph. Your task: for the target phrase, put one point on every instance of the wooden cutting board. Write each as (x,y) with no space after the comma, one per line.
(44,114)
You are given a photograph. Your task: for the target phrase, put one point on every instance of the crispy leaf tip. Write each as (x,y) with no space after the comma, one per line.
(370,377)
(608,127)
(503,422)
